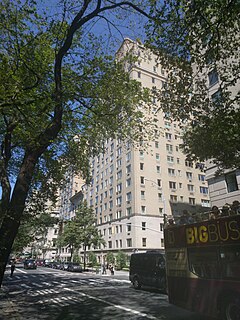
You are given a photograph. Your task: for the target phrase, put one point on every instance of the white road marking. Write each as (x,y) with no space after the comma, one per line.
(117,280)
(113,305)
(25,286)
(21,270)
(37,284)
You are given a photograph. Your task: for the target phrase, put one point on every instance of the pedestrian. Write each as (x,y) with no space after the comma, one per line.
(104,269)
(112,270)
(12,268)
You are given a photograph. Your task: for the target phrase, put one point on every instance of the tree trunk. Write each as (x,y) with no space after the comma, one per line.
(12,216)
(84,257)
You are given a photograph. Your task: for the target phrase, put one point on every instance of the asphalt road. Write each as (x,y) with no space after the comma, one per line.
(60,295)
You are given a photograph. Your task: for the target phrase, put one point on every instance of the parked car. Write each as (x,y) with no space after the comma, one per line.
(30,264)
(65,265)
(74,267)
(47,263)
(39,262)
(148,269)
(56,265)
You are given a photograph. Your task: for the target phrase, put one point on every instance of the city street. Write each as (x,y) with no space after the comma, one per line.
(54,294)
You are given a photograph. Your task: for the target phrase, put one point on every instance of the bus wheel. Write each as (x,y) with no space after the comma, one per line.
(231,310)
(136,283)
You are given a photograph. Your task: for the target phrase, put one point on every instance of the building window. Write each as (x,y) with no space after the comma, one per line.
(119,175)
(141,155)
(142,180)
(119,151)
(119,163)
(169,148)
(128,169)
(119,214)
(158,169)
(161,226)
(111,180)
(143,225)
(139,74)
(201,177)
(119,200)
(217,97)
(159,197)
(168,136)
(191,201)
(153,80)
(188,164)
(129,227)
(159,182)
(129,196)
(170,159)
(141,165)
(190,187)
(143,209)
(128,156)
(143,195)
(173,198)
(156,144)
(110,244)
(167,124)
(212,77)
(144,242)
(189,175)
(128,182)
(204,190)
(157,156)
(171,172)
(231,182)
(129,211)
(172,185)
(119,187)
(129,243)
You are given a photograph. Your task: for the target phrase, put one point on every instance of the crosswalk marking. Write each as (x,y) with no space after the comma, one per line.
(37,284)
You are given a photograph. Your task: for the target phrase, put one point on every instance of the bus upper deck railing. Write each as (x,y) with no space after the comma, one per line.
(214,213)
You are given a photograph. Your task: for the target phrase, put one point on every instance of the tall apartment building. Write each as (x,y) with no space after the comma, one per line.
(132,188)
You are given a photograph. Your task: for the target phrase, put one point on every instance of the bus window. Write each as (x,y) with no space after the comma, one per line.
(230,262)
(203,262)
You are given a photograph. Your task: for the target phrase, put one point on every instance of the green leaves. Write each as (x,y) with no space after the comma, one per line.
(82,230)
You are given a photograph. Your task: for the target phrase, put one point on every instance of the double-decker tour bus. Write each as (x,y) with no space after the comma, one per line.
(203,266)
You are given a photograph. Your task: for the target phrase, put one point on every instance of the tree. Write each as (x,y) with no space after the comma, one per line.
(92,258)
(110,258)
(81,231)
(61,97)
(121,260)
(33,228)
(196,41)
